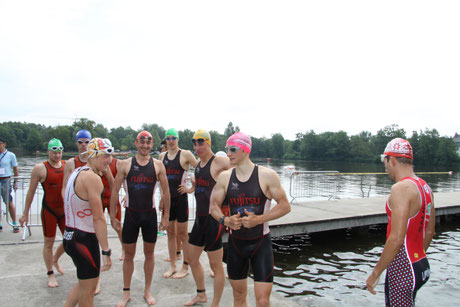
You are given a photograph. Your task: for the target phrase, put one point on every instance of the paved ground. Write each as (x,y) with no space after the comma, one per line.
(23,280)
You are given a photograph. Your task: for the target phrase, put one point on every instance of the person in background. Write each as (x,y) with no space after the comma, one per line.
(248,190)
(8,162)
(50,175)
(411,227)
(177,163)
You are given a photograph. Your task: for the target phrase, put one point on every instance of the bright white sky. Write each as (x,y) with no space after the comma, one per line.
(267,66)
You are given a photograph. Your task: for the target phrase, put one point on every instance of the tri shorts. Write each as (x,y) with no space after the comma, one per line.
(6,189)
(257,252)
(83,248)
(143,220)
(179,208)
(206,232)
(51,219)
(404,279)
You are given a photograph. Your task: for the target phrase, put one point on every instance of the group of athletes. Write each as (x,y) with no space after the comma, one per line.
(232,193)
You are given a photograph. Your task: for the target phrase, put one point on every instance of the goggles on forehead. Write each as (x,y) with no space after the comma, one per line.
(81,142)
(56,148)
(232,149)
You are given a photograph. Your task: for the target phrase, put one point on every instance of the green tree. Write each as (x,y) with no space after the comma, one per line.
(277,146)
(34,141)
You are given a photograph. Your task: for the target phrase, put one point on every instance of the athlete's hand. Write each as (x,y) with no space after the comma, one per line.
(372,281)
(116,224)
(24,220)
(251,220)
(123,201)
(235,222)
(182,189)
(107,263)
(164,222)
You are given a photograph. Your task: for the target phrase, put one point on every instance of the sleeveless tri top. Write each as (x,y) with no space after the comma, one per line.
(52,186)
(247,195)
(417,224)
(78,213)
(78,162)
(204,184)
(141,182)
(175,173)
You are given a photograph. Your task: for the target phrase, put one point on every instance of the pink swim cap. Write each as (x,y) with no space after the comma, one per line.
(240,140)
(399,147)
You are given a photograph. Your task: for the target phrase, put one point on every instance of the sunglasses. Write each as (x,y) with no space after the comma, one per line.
(56,148)
(171,138)
(199,141)
(232,149)
(81,142)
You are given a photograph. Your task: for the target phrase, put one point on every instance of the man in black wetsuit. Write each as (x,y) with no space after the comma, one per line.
(140,173)
(248,190)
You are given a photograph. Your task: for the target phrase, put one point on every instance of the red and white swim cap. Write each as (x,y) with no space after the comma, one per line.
(399,147)
(240,140)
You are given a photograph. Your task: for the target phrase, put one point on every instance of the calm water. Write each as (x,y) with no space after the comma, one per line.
(330,269)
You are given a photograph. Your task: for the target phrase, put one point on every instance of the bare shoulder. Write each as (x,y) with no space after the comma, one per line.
(222,162)
(158,164)
(267,172)
(162,156)
(39,171)
(225,175)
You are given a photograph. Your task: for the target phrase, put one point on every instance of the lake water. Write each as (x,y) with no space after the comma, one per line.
(330,269)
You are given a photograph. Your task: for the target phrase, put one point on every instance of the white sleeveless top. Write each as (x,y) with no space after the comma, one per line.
(78,212)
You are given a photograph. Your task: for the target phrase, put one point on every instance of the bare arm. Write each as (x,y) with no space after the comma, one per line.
(92,184)
(36,176)
(118,181)
(165,196)
(430,230)
(400,210)
(68,169)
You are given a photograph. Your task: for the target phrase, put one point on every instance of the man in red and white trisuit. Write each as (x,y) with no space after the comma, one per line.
(86,227)
(50,174)
(411,227)
(140,175)
(248,190)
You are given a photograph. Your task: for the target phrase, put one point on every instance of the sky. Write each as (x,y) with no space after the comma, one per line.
(266,66)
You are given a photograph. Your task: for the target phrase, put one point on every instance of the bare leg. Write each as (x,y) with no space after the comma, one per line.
(172,248)
(128,269)
(149,265)
(194,253)
(48,258)
(82,293)
(182,234)
(72,298)
(215,260)
(263,291)
(12,210)
(57,254)
(240,291)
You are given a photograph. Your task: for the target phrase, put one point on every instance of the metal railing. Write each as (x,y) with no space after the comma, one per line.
(19,200)
(314,184)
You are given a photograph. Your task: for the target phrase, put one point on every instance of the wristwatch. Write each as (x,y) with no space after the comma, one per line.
(222,220)
(107,253)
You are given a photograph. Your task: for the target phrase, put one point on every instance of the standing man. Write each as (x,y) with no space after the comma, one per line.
(8,162)
(140,175)
(206,232)
(50,174)
(248,190)
(177,163)
(411,227)
(81,139)
(86,227)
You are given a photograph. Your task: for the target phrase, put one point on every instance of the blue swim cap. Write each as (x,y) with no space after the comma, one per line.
(83,134)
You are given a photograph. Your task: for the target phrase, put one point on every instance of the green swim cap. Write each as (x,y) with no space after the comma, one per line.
(173,132)
(55,145)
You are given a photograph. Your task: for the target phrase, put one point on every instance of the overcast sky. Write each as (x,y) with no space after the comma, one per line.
(267,66)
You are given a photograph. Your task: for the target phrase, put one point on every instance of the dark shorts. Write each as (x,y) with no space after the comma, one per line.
(143,220)
(404,279)
(179,208)
(257,252)
(83,248)
(5,190)
(51,219)
(206,232)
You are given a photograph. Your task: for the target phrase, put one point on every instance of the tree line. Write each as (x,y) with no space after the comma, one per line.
(430,149)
